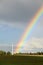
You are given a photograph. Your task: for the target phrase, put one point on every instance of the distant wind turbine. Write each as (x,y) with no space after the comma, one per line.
(12,49)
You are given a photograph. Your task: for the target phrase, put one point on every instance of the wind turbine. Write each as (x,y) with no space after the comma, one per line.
(12,49)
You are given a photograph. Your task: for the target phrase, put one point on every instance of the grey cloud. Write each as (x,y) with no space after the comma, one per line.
(18,10)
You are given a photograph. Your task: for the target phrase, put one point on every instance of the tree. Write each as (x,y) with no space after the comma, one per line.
(8,53)
(2,53)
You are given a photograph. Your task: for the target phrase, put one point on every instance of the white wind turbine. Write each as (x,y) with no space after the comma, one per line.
(12,49)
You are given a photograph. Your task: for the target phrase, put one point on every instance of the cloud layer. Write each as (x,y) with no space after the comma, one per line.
(33,45)
(18,10)
(17,13)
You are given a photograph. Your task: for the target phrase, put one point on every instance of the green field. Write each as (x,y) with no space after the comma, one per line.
(21,60)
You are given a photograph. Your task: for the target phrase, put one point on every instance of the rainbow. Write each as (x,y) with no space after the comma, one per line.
(28,30)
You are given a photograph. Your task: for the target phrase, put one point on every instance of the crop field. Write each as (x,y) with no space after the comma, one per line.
(21,60)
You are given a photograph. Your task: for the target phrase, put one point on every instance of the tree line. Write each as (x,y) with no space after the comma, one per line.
(37,53)
(5,53)
(9,53)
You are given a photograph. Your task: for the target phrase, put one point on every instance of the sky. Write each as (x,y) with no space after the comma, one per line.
(15,15)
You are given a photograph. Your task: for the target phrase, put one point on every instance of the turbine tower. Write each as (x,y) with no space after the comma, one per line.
(12,49)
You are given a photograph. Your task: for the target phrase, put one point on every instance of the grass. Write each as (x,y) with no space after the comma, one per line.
(21,60)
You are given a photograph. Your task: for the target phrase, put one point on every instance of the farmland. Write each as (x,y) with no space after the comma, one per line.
(21,60)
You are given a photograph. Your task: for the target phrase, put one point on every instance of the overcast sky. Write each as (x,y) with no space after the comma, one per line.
(14,17)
